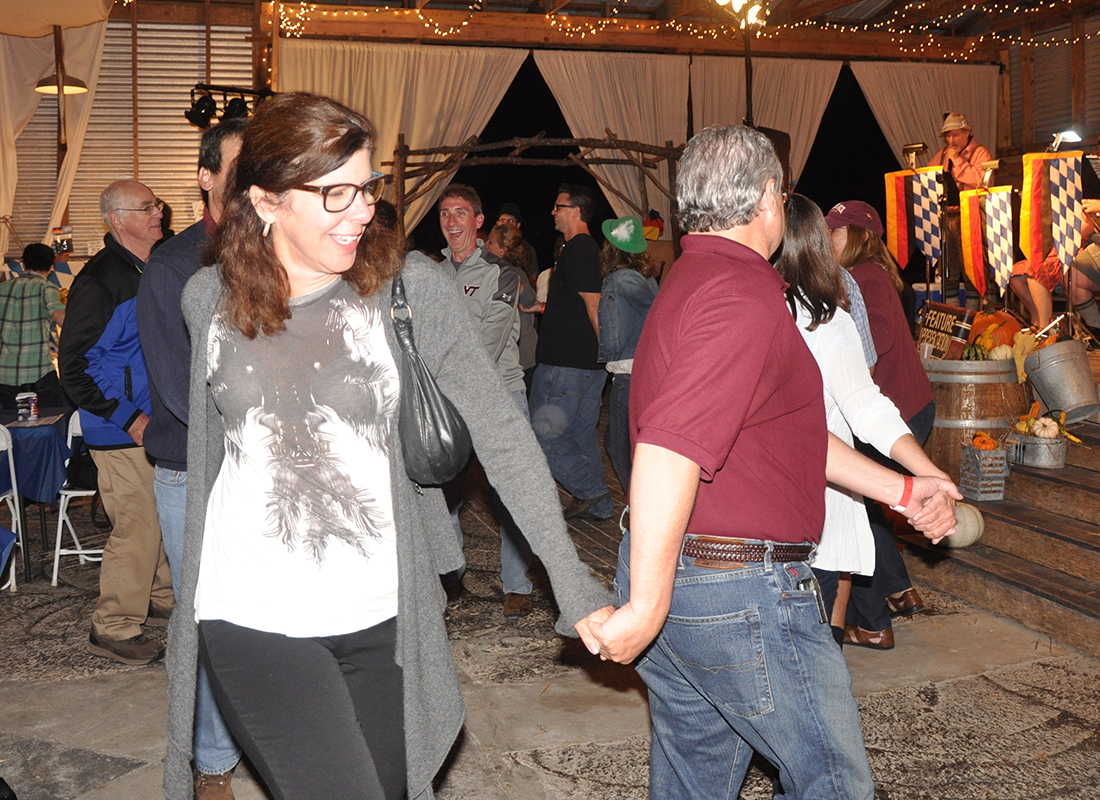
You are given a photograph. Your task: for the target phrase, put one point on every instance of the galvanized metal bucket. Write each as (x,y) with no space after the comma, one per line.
(1061,375)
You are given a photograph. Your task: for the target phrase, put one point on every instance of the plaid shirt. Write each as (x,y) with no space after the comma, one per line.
(26,305)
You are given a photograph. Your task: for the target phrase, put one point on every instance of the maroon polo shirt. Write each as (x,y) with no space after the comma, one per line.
(899,372)
(723,377)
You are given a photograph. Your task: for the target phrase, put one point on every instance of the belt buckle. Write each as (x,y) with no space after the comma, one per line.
(710,563)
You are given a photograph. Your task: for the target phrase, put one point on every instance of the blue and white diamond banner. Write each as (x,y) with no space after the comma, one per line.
(927,186)
(998,234)
(1065,206)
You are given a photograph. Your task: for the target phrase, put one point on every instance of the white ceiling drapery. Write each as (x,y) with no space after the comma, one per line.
(23,61)
(436,96)
(640,97)
(788,95)
(34,18)
(909,100)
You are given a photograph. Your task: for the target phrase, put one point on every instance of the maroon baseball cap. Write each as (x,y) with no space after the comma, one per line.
(854,212)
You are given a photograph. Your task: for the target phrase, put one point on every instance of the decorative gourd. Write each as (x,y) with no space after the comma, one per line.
(1045,428)
(1007,327)
(969,526)
(1001,352)
(973,352)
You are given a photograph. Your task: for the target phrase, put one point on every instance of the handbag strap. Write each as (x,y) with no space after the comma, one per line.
(401,314)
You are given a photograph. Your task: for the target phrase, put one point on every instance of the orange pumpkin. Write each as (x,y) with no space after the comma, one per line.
(1007,328)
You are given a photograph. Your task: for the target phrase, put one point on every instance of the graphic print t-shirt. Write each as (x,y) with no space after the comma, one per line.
(299,535)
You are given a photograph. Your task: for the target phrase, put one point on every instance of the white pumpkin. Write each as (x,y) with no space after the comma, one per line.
(1045,428)
(969,524)
(1001,352)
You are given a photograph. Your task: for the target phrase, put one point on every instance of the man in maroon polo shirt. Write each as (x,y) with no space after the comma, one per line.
(727,494)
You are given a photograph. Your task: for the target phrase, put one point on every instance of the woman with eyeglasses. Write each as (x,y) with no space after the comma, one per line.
(311,561)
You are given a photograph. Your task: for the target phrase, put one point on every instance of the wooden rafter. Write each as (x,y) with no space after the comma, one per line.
(1050,16)
(888,12)
(547,6)
(674,9)
(526,30)
(816,8)
(913,14)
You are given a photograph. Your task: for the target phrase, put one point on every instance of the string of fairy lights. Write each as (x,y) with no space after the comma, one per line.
(911,37)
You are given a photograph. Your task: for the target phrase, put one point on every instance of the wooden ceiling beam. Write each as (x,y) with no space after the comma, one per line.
(889,11)
(674,9)
(526,30)
(816,8)
(220,13)
(926,12)
(1046,17)
(545,7)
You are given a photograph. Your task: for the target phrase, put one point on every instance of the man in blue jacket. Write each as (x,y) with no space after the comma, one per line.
(103,372)
(167,348)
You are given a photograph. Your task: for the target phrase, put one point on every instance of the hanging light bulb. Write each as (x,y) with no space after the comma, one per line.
(753,17)
(738,5)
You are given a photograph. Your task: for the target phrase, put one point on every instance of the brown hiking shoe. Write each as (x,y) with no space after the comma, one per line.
(136,651)
(517,605)
(213,787)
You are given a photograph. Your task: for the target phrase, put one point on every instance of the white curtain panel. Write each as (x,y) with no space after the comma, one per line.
(23,62)
(83,57)
(909,100)
(640,97)
(37,17)
(788,95)
(436,96)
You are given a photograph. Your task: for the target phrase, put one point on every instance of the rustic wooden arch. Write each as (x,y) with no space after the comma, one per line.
(416,165)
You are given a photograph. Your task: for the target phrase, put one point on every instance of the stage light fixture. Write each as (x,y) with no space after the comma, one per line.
(202,110)
(236,108)
(1064,136)
(911,151)
(72,85)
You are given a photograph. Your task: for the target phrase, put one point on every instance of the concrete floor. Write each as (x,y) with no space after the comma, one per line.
(969,705)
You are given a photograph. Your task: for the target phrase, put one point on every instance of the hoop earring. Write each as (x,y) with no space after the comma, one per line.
(266,230)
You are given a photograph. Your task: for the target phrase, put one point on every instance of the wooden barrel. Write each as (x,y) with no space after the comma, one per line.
(971,396)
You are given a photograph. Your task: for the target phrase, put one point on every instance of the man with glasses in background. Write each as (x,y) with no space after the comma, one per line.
(103,371)
(568,381)
(167,349)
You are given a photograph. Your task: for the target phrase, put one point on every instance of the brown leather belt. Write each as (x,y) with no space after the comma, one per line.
(719,549)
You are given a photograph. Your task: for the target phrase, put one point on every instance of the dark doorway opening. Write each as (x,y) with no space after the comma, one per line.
(526,108)
(850,155)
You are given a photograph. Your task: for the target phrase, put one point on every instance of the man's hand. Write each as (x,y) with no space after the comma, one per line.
(931,508)
(953,153)
(625,633)
(584,628)
(136,431)
(1092,206)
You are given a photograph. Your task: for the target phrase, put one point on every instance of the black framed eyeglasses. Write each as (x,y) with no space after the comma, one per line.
(560,206)
(339,196)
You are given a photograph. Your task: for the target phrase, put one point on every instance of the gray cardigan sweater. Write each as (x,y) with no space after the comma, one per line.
(426,544)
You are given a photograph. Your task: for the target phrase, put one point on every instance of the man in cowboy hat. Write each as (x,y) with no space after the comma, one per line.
(961,155)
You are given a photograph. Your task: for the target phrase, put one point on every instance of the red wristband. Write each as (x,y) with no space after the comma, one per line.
(906,494)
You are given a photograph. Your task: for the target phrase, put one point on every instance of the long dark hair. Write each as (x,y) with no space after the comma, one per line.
(808,265)
(293,139)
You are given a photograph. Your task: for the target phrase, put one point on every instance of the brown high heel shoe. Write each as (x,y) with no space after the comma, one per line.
(875,640)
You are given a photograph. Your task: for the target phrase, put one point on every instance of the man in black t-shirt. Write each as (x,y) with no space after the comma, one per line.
(568,381)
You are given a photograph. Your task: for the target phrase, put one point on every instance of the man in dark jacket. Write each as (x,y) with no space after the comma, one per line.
(167,348)
(103,372)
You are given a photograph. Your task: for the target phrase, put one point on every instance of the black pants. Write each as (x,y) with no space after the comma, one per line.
(867,603)
(318,718)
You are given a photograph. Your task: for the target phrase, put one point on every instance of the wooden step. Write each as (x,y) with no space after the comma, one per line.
(1051,602)
(1087,454)
(1061,543)
(1069,492)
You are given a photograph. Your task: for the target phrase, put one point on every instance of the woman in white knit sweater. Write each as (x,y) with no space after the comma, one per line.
(853,403)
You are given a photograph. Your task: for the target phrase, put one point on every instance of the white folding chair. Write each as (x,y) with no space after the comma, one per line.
(66,494)
(11,497)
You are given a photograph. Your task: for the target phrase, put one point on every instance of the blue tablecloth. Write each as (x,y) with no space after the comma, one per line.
(40,453)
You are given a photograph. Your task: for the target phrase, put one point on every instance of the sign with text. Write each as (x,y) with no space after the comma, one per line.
(946,328)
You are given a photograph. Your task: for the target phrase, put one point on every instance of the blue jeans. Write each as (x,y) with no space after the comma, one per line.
(515,552)
(215,750)
(744,663)
(565,408)
(617,436)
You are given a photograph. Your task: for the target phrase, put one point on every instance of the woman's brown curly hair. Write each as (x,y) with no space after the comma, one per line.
(293,139)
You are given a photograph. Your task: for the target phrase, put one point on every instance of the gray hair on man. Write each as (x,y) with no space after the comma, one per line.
(111,197)
(722,177)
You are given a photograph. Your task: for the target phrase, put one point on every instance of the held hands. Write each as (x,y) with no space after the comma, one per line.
(931,507)
(619,634)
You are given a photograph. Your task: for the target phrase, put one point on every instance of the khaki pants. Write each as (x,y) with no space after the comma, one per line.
(134,573)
